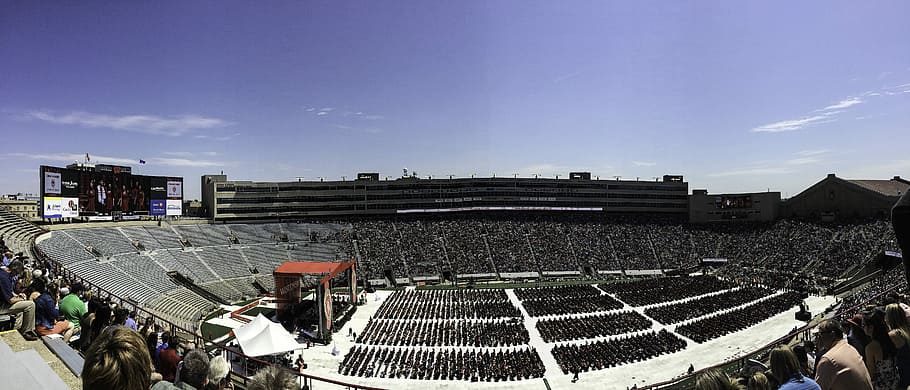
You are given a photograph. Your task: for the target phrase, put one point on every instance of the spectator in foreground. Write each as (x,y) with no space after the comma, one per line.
(758,381)
(715,379)
(46,313)
(117,360)
(13,303)
(785,368)
(193,375)
(900,336)
(841,367)
(72,308)
(880,352)
(219,374)
(168,360)
(272,378)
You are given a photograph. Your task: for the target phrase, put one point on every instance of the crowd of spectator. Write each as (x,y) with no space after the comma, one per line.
(678,312)
(592,356)
(588,327)
(738,319)
(473,245)
(651,291)
(446,364)
(435,333)
(448,304)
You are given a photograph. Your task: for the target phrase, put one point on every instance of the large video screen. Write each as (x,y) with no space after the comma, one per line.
(733,202)
(108,191)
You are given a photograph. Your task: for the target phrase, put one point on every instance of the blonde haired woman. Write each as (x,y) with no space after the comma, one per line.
(900,336)
(715,379)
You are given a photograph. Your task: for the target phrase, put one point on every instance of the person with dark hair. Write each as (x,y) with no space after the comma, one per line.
(194,371)
(46,314)
(841,367)
(272,378)
(880,352)
(116,360)
(786,370)
(168,360)
(856,337)
(12,303)
(72,308)
(802,356)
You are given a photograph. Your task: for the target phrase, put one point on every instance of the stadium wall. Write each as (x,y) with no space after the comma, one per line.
(245,200)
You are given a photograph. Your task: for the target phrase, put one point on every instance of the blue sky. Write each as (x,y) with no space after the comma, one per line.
(735,96)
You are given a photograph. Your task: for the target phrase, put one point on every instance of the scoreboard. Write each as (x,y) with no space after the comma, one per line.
(107,191)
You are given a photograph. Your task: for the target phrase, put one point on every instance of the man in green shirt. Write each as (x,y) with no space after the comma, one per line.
(71,307)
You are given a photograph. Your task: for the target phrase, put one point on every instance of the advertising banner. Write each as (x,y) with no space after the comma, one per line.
(174,207)
(327,306)
(175,189)
(53,207)
(158,207)
(52,183)
(70,207)
(353,285)
(70,181)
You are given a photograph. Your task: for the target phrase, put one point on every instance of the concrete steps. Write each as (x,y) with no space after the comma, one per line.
(27,370)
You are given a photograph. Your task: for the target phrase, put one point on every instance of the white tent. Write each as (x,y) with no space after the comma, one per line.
(263,337)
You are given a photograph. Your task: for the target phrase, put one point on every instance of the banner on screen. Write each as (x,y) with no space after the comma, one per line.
(174,189)
(174,207)
(158,207)
(53,207)
(70,207)
(107,190)
(52,183)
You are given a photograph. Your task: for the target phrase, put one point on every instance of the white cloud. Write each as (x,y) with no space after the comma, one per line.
(321,113)
(148,124)
(811,152)
(99,159)
(644,163)
(846,103)
(803,161)
(184,162)
(74,157)
(791,125)
(752,171)
(772,167)
(189,154)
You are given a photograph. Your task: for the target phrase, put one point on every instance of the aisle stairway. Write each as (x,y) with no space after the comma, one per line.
(27,370)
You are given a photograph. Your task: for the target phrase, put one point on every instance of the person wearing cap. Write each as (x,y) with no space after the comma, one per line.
(841,367)
(12,303)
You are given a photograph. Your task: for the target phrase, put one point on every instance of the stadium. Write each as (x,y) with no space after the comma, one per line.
(484,282)
(489,195)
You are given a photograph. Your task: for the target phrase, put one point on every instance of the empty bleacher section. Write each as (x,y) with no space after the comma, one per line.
(212,262)
(16,232)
